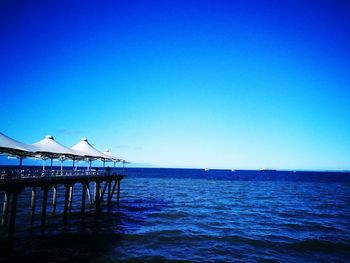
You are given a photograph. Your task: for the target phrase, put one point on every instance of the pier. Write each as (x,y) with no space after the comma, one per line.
(106,186)
(13,181)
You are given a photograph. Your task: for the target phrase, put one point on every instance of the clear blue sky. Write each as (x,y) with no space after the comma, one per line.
(218,84)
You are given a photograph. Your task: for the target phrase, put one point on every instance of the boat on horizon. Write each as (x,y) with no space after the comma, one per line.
(267,170)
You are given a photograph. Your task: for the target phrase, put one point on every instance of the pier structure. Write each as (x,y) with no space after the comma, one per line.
(106,186)
(14,181)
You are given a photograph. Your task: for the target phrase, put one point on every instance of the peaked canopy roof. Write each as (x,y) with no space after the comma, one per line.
(111,156)
(11,146)
(51,148)
(84,148)
(48,147)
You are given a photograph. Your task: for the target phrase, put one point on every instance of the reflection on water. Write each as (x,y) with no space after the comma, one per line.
(174,219)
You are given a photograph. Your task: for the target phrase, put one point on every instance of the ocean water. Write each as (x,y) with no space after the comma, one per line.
(183,215)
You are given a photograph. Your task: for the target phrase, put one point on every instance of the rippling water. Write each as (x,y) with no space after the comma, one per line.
(190,218)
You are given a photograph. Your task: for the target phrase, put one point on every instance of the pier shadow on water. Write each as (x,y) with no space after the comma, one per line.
(91,238)
(81,240)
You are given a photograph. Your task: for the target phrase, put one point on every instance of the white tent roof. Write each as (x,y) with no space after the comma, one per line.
(48,147)
(11,146)
(86,149)
(51,147)
(111,156)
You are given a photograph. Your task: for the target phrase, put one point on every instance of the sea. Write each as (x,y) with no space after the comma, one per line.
(194,215)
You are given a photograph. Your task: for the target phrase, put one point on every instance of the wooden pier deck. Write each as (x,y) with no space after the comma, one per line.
(104,184)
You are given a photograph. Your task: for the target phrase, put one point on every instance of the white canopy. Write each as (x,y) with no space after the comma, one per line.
(11,146)
(48,146)
(84,148)
(111,156)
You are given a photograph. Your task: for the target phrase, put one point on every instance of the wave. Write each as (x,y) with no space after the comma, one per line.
(319,245)
(170,215)
(167,237)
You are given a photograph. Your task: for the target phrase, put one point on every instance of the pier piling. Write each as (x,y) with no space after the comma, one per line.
(66,202)
(11,232)
(70,198)
(113,189)
(5,209)
(43,208)
(89,193)
(97,196)
(95,192)
(83,199)
(118,193)
(54,199)
(109,193)
(101,194)
(103,191)
(32,205)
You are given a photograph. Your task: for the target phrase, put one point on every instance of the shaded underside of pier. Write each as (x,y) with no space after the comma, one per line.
(104,184)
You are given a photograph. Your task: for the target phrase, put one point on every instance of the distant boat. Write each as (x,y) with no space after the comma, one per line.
(206,169)
(233,170)
(267,170)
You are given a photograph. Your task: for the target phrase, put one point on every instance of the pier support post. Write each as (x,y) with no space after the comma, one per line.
(102,192)
(118,192)
(95,192)
(101,195)
(54,199)
(97,197)
(5,209)
(66,201)
(32,205)
(109,193)
(113,189)
(89,193)
(70,198)
(83,199)
(11,232)
(43,208)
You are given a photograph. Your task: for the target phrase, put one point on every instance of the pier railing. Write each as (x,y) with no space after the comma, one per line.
(15,173)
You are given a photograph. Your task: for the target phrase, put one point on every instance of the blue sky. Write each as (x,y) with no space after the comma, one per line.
(218,84)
